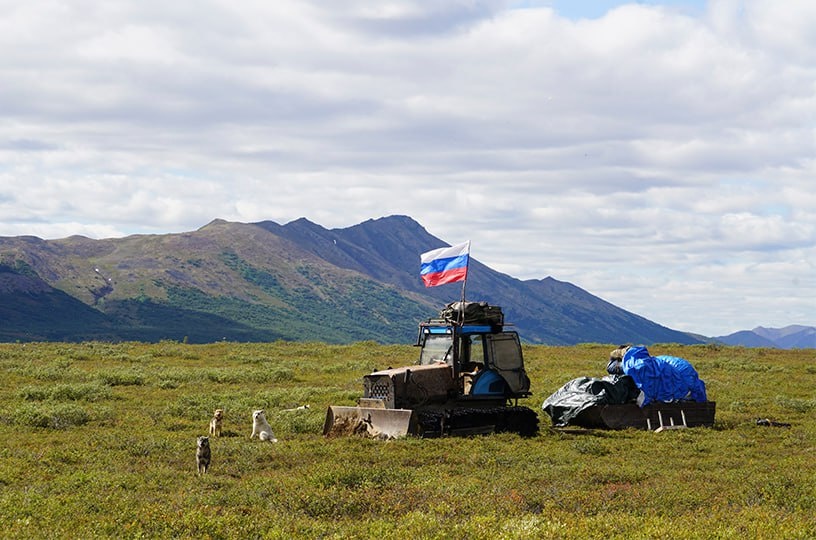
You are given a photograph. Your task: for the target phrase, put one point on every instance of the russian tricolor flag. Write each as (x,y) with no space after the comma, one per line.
(445,265)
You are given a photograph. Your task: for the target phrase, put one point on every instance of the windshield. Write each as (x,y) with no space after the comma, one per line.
(436,348)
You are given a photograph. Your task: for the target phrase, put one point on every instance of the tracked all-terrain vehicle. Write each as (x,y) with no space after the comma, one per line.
(468,380)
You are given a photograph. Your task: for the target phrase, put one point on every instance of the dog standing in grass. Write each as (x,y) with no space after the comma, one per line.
(215,423)
(261,427)
(203,455)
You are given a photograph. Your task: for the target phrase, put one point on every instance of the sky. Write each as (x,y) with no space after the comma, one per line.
(660,155)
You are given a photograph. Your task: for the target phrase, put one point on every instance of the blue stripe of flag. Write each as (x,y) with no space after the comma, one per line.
(442,265)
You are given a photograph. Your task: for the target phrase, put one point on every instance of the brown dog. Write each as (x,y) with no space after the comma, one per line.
(215,423)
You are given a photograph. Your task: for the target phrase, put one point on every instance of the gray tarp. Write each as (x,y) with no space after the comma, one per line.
(584,392)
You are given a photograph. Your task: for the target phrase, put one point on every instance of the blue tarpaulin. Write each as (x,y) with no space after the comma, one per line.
(663,378)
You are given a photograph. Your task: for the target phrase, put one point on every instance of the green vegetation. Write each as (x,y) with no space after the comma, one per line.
(99,441)
(334,311)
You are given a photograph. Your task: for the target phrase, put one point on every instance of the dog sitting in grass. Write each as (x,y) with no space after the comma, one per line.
(261,427)
(215,423)
(203,455)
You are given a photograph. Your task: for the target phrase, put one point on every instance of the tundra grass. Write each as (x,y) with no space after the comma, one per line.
(99,442)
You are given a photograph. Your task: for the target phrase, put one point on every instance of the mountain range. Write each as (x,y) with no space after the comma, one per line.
(790,337)
(264,281)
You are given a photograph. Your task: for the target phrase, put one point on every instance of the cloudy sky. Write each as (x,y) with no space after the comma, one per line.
(660,155)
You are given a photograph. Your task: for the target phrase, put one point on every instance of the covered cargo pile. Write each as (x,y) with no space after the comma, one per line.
(580,394)
(638,390)
(662,378)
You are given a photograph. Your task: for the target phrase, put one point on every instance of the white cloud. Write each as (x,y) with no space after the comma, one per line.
(661,158)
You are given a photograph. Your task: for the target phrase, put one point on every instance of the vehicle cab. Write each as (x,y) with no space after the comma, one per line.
(486,360)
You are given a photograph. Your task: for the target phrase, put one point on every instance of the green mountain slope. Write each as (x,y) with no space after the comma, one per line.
(264,281)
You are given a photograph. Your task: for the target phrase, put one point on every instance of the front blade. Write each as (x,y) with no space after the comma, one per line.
(368,422)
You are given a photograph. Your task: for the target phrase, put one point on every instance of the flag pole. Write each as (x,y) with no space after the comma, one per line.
(464,284)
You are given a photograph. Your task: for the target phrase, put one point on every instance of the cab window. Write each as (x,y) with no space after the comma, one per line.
(436,348)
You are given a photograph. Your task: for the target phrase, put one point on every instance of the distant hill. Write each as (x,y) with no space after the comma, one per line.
(789,337)
(265,281)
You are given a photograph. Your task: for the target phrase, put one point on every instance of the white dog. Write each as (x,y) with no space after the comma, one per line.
(261,427)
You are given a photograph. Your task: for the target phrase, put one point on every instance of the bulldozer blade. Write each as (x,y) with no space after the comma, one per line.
(376,423)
